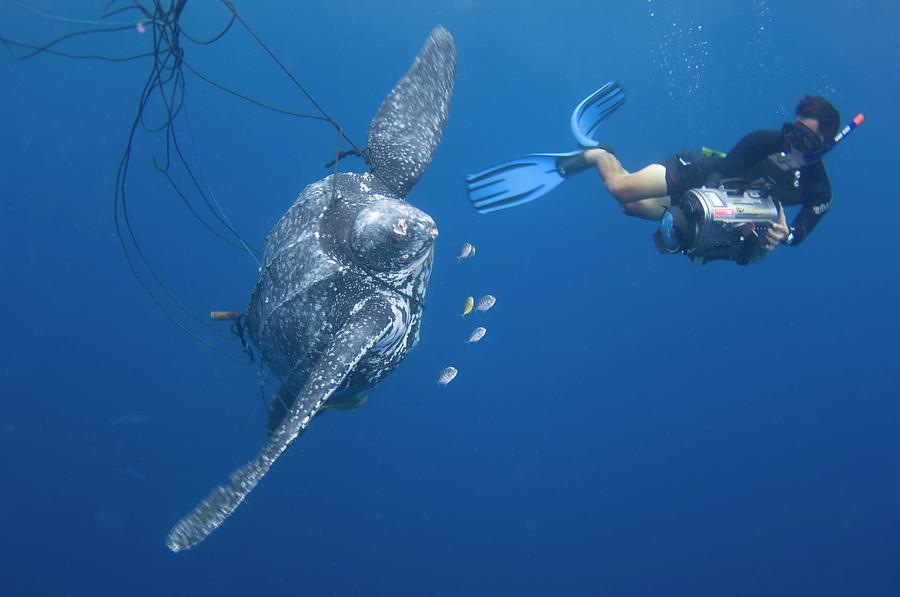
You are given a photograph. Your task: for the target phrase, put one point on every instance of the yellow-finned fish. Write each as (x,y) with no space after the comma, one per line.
(470,302)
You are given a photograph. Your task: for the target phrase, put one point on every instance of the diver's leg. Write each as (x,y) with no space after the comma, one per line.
(648,209)
(647,183)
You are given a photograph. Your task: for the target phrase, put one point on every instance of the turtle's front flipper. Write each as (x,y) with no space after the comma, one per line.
(370,323)
(407,128)
(282,403)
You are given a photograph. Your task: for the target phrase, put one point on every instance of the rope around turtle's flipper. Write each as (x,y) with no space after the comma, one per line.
(343,154)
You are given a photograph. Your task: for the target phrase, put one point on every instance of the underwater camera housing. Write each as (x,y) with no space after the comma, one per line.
(709,224)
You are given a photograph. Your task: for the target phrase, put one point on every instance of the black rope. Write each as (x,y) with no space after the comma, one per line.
(343,154)
(288,73)
(68,36)
(213,39)
(247,98)
(9,44)
(238,329)
(153,83)
(166,82)
(255,253)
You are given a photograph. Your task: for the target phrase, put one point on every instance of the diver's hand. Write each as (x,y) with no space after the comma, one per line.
(778,231)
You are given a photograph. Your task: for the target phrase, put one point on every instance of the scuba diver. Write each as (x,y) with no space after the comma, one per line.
(647,192)
(711,205)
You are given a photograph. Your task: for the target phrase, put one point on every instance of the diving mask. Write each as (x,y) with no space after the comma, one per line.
(802,138)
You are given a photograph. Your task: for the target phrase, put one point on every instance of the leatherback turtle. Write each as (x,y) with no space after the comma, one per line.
(342,283)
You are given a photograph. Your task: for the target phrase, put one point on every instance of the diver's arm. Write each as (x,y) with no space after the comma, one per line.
(805,221)
(816,203)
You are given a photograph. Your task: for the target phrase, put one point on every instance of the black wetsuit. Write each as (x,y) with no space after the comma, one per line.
(690,169)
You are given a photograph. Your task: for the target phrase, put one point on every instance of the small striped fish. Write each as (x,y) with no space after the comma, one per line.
(476,335)
(468,250)
(486,302)
(447,375)
(470,302)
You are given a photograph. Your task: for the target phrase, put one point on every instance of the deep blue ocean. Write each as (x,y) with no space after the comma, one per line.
(632,424)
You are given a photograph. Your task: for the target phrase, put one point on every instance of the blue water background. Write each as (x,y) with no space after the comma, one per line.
(632,424)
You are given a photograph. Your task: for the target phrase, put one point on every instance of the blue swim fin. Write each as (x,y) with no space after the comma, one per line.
(522,179)
(593,110)
(531,176)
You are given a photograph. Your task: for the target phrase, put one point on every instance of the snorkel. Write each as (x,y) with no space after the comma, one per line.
(799,156)
(816,155)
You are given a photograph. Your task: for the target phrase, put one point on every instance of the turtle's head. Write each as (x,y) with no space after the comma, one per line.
(391,235)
